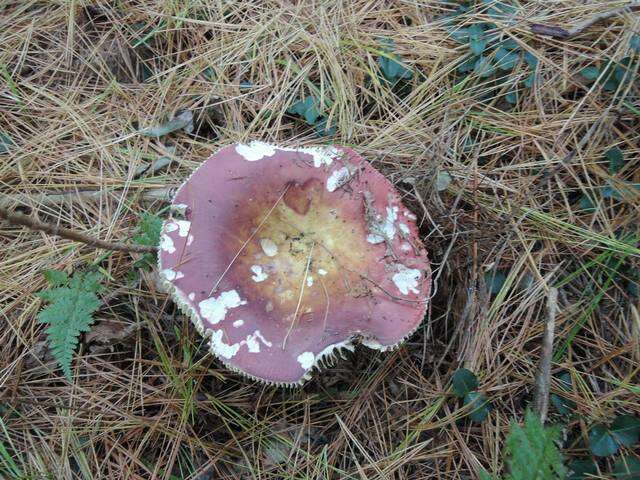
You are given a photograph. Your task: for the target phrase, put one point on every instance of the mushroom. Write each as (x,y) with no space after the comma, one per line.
(284,257)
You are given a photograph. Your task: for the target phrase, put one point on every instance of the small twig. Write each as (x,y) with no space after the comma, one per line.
(563,33)
(158,164)
(302,284)
(543,380)
(45,200)
(35,224)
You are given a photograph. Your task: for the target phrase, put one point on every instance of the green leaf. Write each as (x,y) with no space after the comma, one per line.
(627,468)
(562,404)
(512,97)
(5,143)
(55,278)
(620,72)
(182,121)
(484,475)
(391,64)
(506,60)
(477,39)
(307,109)
(298,108)
(528,82)
(461,35)
(463,381)
(478,405)
(590,73)
(601,443)
(321,128)
(509,44)
(495,280)
(468,64)
(477,45)
(585,203)
(611,192)
(532,451)
(582,469)
(531,60)
(483,67)
(69,313)
(626,429)
(611,85)
(209,73)
(616,160)
(443,180)
(149,231)
(634,43)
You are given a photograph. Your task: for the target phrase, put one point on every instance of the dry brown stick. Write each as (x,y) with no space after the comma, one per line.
(45,200)
(543,380)
(35,224)
(563,33)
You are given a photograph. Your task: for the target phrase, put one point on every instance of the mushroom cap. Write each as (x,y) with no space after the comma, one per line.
(284,256)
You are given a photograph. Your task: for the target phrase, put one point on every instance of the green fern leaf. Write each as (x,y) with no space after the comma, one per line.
(72,301)
(532,450)
(149,231)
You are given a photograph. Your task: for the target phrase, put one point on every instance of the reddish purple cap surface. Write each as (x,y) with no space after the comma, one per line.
(281,256)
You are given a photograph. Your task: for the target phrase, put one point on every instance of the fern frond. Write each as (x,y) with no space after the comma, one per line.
(149,231)
(72,302)
(533,453)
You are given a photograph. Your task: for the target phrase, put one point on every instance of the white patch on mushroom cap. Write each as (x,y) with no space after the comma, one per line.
(183,227)
(269,248)
(179,208)
(238,323)
(222,348)
(259,274)
(166,244)
(309,281)
(189,240)
(171,274)
(407,279)
(410,215)
(252,342)
(405,247)
(384,229)
(226,350)
(404,228)
(322,155)
(255,151)
(322,271)
(306,359)
(338,178)
(372,343)
(192,296)
(215,309)
(264,340)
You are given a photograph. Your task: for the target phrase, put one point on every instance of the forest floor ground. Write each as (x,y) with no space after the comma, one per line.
(519,152)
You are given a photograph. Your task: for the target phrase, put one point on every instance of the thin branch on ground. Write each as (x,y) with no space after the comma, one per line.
(163,194)
(51,229)
(563,33)
(543,380)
